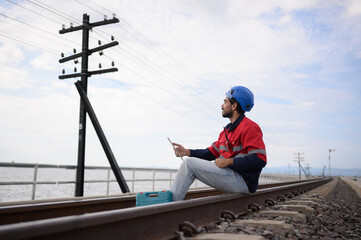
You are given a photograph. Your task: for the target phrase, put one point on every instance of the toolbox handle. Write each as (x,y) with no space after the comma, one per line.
(152,194)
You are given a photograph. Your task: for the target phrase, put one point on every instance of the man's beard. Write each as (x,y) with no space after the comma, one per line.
(227,114)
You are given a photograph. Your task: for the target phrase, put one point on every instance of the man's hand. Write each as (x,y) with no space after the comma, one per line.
(224,162)
(182,151)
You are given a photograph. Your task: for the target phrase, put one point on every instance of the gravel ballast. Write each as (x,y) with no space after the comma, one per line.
(336,216)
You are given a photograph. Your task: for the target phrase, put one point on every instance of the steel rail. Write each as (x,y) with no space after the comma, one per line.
(45,209)
(149,222)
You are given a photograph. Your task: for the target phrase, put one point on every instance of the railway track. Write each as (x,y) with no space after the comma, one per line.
(149,222)
(44,209)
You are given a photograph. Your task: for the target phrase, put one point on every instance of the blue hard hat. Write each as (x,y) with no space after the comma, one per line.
(243,96)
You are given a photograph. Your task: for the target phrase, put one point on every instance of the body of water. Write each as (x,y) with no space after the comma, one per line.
(61,190)
(59,174)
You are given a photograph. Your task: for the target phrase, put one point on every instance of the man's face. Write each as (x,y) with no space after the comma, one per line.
(227,108)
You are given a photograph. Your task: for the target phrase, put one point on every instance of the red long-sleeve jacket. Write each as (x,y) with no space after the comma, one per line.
(242,141)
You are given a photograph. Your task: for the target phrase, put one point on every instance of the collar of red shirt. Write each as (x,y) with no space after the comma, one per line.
(231,126)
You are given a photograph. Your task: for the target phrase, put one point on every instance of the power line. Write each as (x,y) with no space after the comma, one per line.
(152,46)
(29,44)
(38,5)
(99,6)
(18,27)
(164,106)
(161,75)
(166,91)
(136,59)
(150,66)
(39,29)
(102,36)
(152,69)
(164,77)
(64,14)
(46,8)
(206,101)
(34,12)
(89,7)
(149,44)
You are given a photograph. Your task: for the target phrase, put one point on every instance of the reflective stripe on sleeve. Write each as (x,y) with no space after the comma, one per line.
(262,151)
(237,148)
(215,148)
(240,155)
(224,148)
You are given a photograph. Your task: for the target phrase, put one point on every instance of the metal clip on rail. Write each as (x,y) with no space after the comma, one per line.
(189,229)
(288,195)
(269,202)
(229,215)
(254,207)
(281,198)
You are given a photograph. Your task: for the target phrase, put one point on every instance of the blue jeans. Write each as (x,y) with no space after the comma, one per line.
(223,179)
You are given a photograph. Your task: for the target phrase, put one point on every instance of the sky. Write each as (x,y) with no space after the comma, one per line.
(175,60)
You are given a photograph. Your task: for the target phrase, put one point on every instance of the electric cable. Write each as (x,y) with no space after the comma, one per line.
(30,10)
(179,65)
(150,47)
(202,124)
(174,83)
(164,90)
(151,69)
(154,68)
(38,5)
(39,29)
(100,6)
(89,7)
(63,14)
(29,44)
(34,12)
(162,76)
(183,69)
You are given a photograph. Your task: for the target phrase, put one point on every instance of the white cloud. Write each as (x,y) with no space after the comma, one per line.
(307,104)
(353,8)
(11,54)
(13,78)
(284,20)
(45,61)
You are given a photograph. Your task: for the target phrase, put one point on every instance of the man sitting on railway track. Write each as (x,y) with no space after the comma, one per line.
(239,152)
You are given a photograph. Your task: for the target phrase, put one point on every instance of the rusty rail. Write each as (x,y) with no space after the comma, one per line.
(45,209)
(150,222)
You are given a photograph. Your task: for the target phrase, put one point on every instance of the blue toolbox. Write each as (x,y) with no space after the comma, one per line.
(149,198)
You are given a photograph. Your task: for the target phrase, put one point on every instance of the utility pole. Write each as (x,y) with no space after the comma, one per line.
(84,74)
(308,169)
(323,171)
(329,161)
(298,159)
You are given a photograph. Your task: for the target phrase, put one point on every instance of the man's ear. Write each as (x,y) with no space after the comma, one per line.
(234,106)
